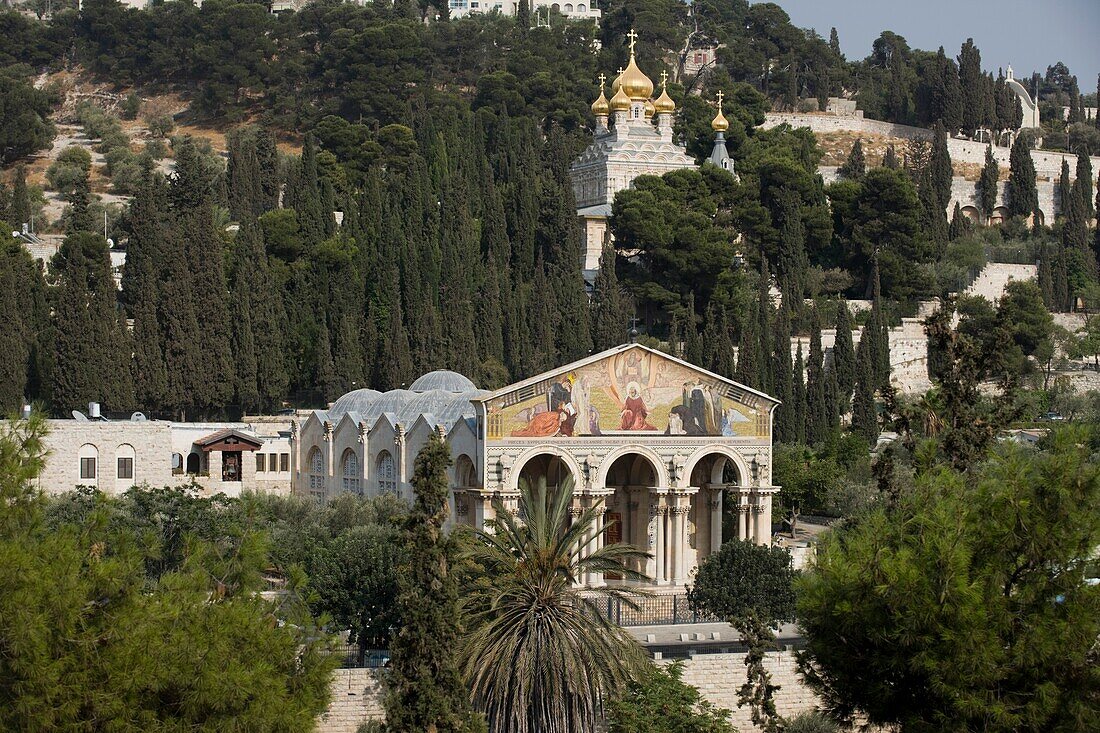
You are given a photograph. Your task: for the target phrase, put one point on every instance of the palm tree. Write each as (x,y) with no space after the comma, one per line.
(541,658)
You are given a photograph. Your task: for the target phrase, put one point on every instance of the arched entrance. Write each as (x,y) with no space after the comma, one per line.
(716,506)
(632,512)
(546,466)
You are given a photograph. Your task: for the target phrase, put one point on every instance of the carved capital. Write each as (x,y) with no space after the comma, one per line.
(362,436)
(680,510)
(327,434)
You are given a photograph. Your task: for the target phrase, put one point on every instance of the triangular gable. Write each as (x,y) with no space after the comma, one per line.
(628,389)
(229,439)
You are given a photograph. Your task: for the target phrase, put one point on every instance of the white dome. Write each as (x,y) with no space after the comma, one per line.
(442,379)
(358,400)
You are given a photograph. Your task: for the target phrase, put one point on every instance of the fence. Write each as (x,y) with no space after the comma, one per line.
(654,611)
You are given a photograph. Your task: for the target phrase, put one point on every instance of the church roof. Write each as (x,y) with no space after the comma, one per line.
(442,379)
(443,395)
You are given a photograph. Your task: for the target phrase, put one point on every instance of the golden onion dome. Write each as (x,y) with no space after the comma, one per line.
(600,107)
(620,102)
(664,104)
(720,123)
(638,86)
(650,109)
(618,82)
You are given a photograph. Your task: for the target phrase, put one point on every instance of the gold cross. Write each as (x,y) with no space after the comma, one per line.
(602,79)
(621,70)
(633,37)
(664,78)
(720,96)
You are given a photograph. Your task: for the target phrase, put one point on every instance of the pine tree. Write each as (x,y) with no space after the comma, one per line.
(1065,186)
(844,358)
(890,158)
(92,346)
(864,416)
(855,166)
(940,165)
(425,690)
(1083,182)
(987,184)
(610,315)
(799,426)
(781,368)
(1023,198)
(817,410)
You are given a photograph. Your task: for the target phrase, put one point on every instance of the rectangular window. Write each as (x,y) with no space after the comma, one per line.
(87,468)
(125,467)
(261,459)
(284,462)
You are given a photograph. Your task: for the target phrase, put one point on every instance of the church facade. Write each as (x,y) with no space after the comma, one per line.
(678,458)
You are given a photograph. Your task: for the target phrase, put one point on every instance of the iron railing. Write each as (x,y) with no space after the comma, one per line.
(654,611)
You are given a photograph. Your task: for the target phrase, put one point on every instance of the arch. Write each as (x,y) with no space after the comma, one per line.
(386,470)
(569,7)
(1037,218)
(660,466)
(582,8)
(88,462)
(465,473)
(553,450)
(631,469)
(315,464)
(351,475)
(194,463)
(971,213)
(999,216)
(177,463)
(743,473)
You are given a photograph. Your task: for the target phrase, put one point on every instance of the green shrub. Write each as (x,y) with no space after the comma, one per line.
(76,156)
(160,126)
(812,722)
(131,106)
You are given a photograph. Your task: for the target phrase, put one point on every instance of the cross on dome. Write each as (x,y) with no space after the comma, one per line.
(633,38)
(664,78)
(721,96)
(602,78)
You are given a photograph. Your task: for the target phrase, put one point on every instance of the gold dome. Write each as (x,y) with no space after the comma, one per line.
(719,123)
(618,82)
(600,107)
(664,104)
(620,102)
(638,86)
(650,110)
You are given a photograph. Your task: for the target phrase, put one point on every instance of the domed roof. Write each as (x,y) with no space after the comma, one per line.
(600,107)
(637,85)
(664,103)
(358,400)
(444,380)
(620,102)
(649,108)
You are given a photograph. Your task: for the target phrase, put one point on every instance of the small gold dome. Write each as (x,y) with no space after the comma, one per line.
(618,82)
(720,123)
(650,110)
(664,103)
(600,107)
(620,102)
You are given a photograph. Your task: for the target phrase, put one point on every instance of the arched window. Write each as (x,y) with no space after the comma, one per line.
(193,461)
(569,7)
(465,473)
(89,462)
(316,472)
(352,481)
(582,8)
(124,463)
(387,473)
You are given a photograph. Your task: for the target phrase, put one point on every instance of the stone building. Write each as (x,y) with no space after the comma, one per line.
(679,457)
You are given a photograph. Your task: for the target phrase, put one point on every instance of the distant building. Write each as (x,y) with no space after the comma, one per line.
(1027,104)
(573,10)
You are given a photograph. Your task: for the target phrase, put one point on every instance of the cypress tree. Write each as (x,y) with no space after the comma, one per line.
(693,342)
(141,290)
(817,409)
(1060,279)
(1075,228)
(724,363)
(781,367)
(5,202)
(80,203)
(763,329)
(1065,186)
(935,217)
(748,352)
(793,263)
(1046,278)
(970,82)
(987,184)
(425,690)
(523,15)
(18,274)
(844,358)
(92,346)
(267,160)
(988,101)
(864,417)
(952,113)
(799,398)
(855,166)
(324,368)
(960,224)
(393,364)
(1096,118)
(878,330)
(243,175)
(306,196)
(609,314)
(1083,181)
(834,42)
(890,158)
(1023,198)
(267,314)
(940,165)
(20,207)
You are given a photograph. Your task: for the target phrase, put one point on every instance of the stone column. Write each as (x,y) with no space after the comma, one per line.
(657,547)
(758,532)
(574,513)
(766,516)
(744,531)
(679,543)
(597,578)
(715,505)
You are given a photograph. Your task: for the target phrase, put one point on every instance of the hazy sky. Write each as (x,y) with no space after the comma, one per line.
(1029,34)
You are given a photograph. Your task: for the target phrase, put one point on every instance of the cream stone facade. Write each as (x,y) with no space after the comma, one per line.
(679,458)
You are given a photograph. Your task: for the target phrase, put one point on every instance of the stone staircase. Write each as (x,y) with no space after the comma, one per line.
(995,277)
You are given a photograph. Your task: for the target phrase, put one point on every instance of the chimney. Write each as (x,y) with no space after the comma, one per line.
(93,410)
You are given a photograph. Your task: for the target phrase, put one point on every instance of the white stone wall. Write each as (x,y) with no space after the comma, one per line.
(357,693)
(151,442)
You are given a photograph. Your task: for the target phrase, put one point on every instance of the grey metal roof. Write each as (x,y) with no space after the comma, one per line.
(444,407)
(441,379)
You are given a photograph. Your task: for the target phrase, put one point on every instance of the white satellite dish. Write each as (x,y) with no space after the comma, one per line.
(110,243)
(79,416)
(138,417)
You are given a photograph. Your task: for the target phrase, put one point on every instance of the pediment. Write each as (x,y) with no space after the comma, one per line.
(628,390)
